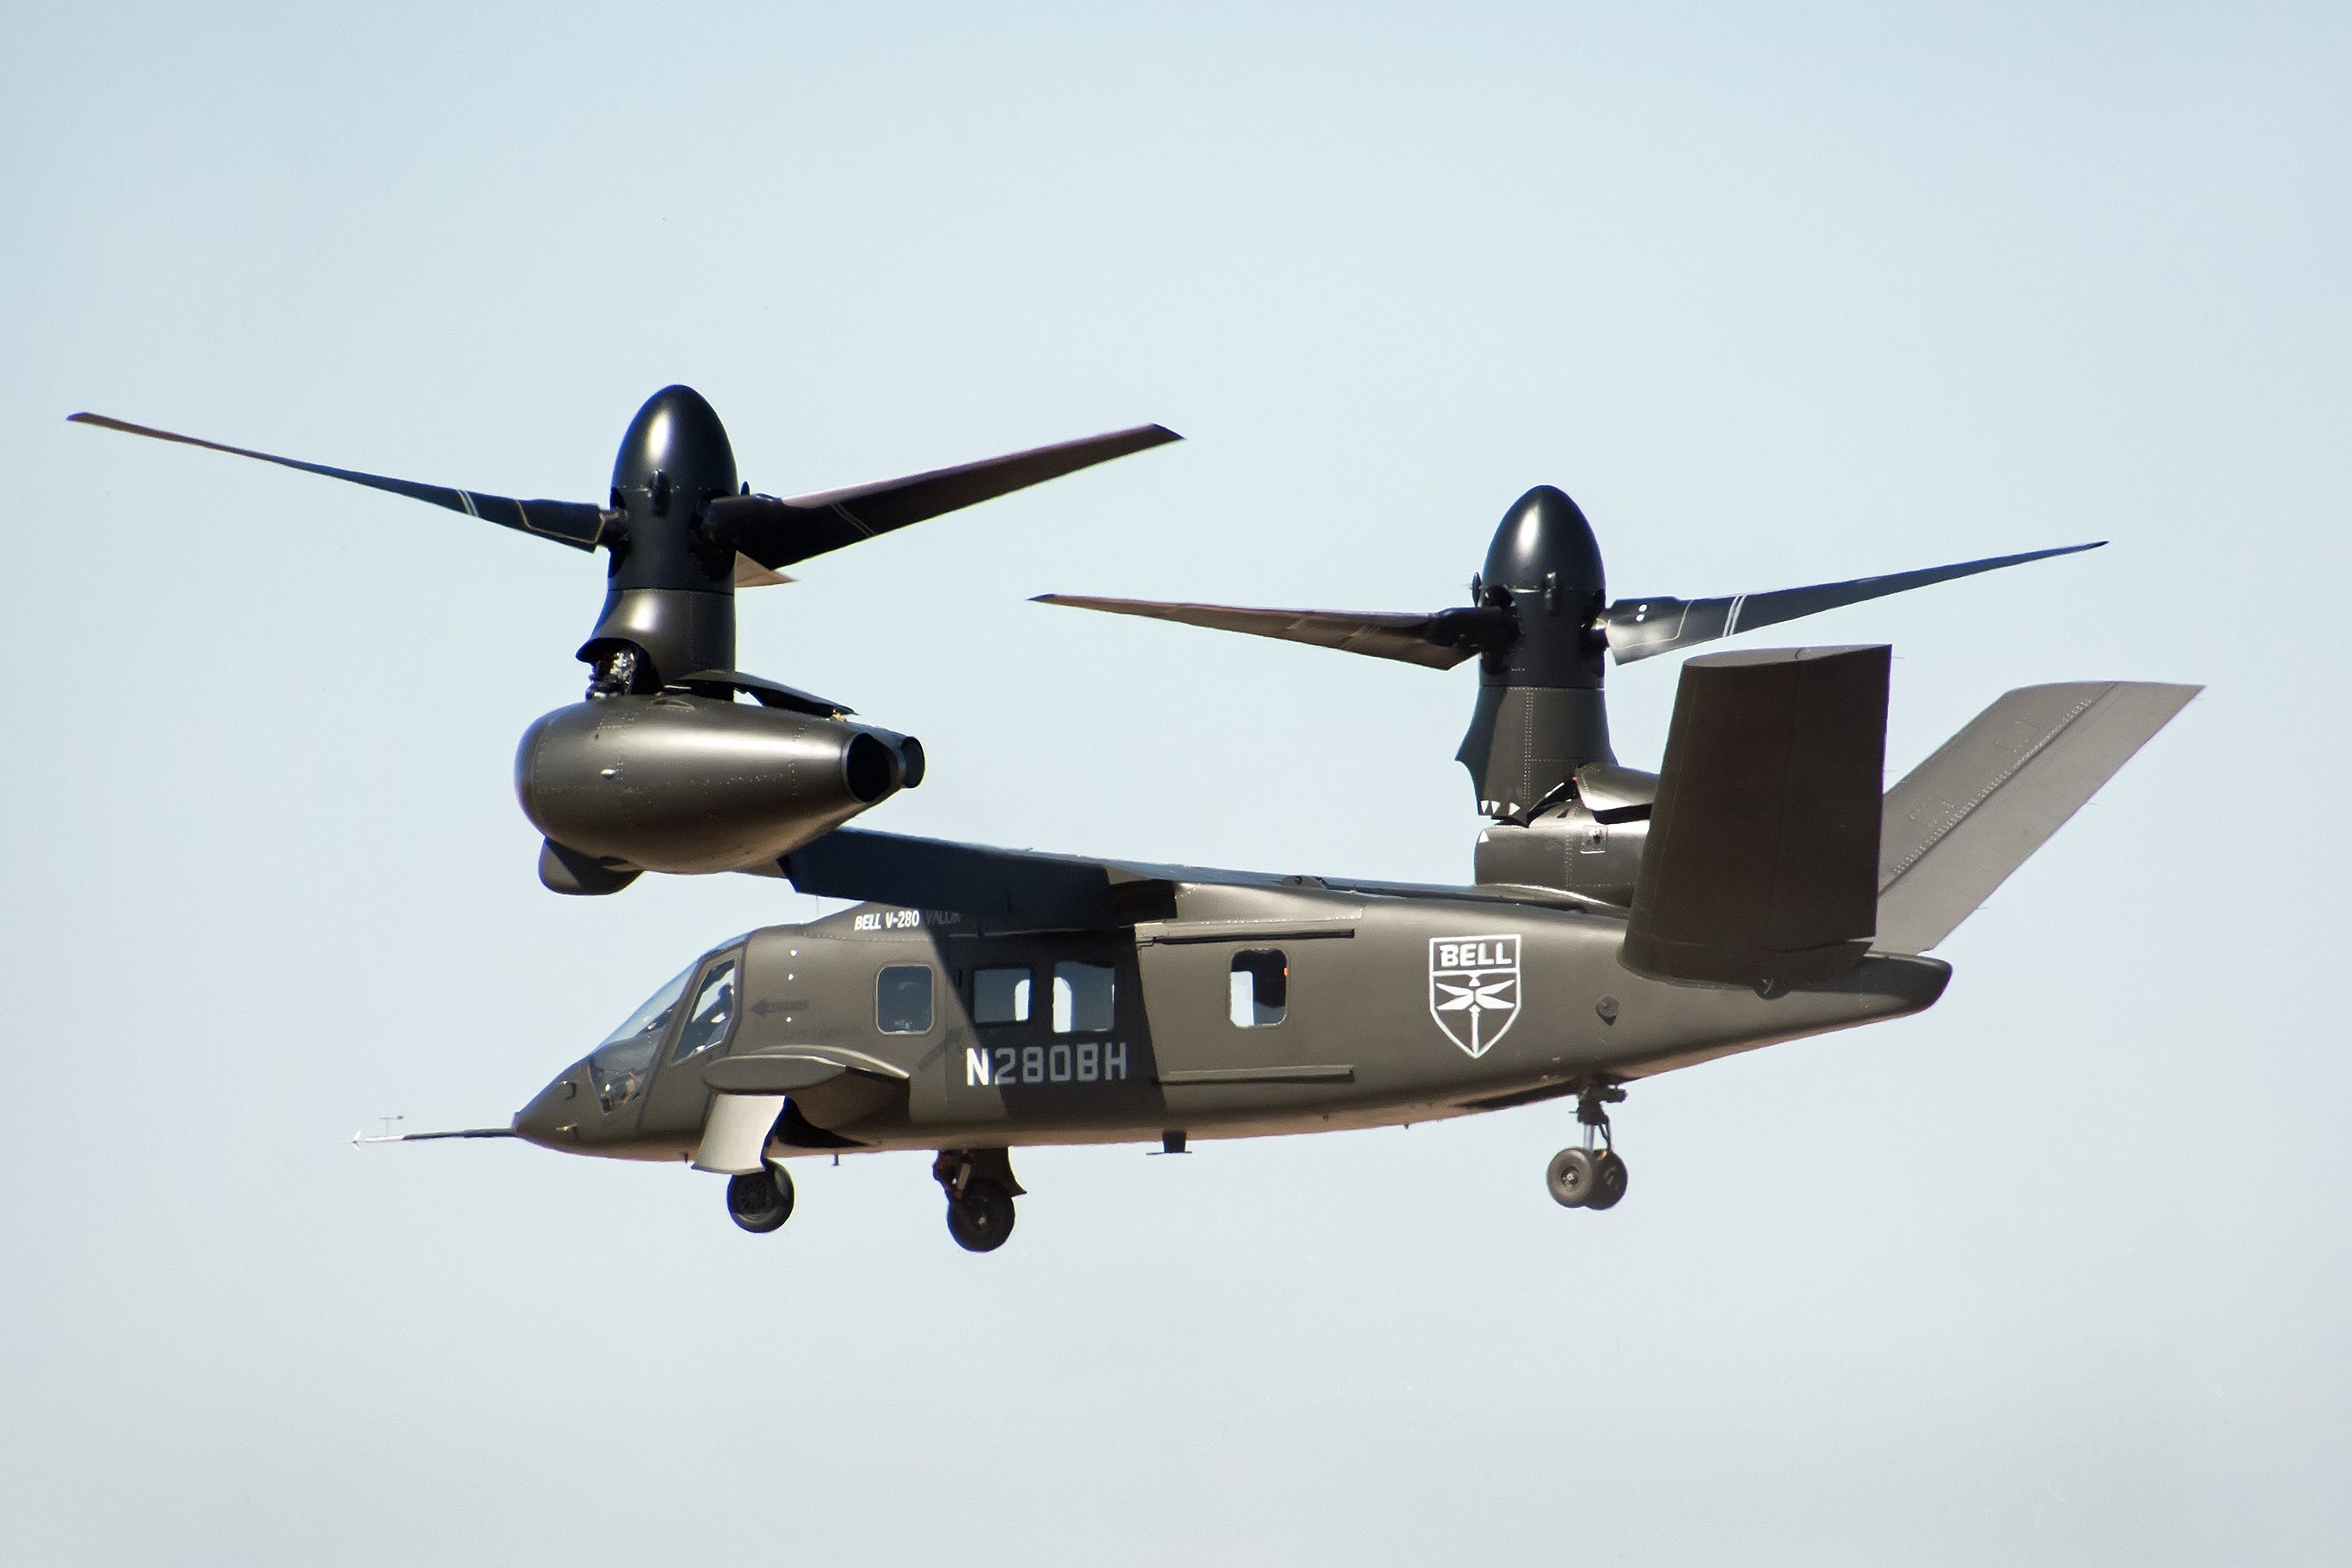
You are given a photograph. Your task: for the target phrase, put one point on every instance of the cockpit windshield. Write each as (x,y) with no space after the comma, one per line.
(620,1066)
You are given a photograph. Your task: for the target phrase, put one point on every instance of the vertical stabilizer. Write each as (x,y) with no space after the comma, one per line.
(1759,869)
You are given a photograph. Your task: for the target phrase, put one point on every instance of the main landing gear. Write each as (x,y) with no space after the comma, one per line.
(762,1200)
(981,1188)
(1590,1177)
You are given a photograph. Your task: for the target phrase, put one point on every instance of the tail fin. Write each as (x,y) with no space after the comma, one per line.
(1757,868)
(1960,822)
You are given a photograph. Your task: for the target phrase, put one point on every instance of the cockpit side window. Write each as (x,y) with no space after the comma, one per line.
(713,1014)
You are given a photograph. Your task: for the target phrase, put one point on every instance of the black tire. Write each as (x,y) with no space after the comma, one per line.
(982,1219)
(1608,1180)
(760,1201)
(1572,1178)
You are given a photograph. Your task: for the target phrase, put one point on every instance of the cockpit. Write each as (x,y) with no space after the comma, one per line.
(619,1067)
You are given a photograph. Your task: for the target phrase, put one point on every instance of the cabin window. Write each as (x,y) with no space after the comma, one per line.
(713,1013)
(1260,988)
(902,999)
(1084,998)
(1000,996)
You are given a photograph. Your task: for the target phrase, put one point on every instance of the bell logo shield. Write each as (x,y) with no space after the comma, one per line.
(1473,988)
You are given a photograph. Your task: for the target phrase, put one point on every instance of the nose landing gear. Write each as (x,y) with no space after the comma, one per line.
(760,1201)
(1590,1177)
(981,1187)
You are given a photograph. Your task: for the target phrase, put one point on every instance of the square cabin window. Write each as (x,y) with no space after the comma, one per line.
(1084,999)
(1000,996)
(902,999)
(1260,988)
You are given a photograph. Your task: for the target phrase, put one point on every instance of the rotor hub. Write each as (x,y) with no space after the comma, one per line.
(671,589)
(676,436)
(1545,564)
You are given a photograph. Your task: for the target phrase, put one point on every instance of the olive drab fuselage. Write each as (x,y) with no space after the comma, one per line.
(1256,1011)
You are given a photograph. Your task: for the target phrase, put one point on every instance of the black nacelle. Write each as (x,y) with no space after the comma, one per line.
(669,591)
(1541,715)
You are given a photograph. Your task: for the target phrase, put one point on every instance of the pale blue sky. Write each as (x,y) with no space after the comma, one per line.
(2057,1272)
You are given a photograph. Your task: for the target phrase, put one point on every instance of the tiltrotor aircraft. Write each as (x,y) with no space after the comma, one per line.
(1758,888)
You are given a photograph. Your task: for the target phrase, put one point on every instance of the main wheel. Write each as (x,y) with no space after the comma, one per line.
(1572,1178)
(1608,1180)
(982,1217)
(760,1201)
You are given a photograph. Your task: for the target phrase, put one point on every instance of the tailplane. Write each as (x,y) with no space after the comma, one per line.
(1960,822)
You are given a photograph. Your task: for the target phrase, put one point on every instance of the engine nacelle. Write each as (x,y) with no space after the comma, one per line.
(674,781)
(1589,842)
(1570,849)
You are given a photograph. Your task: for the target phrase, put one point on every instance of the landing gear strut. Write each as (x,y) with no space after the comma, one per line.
(760,1201)
(981,1186)
(1591,1176)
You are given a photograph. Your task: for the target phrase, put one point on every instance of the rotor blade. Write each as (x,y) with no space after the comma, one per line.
(777,531)
(1638,628)
(750,573)
(576,524)
(1438,642)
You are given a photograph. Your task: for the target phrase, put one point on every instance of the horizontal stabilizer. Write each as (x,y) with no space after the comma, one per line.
(1761,863)
(1960,822)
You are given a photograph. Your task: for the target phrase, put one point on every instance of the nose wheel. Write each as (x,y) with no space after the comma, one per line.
(1591,1176)
(981,1186)
(760,1201)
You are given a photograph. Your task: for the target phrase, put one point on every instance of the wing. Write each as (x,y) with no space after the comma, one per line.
(1065,892)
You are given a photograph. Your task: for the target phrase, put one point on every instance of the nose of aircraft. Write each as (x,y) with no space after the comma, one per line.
(549,1120)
